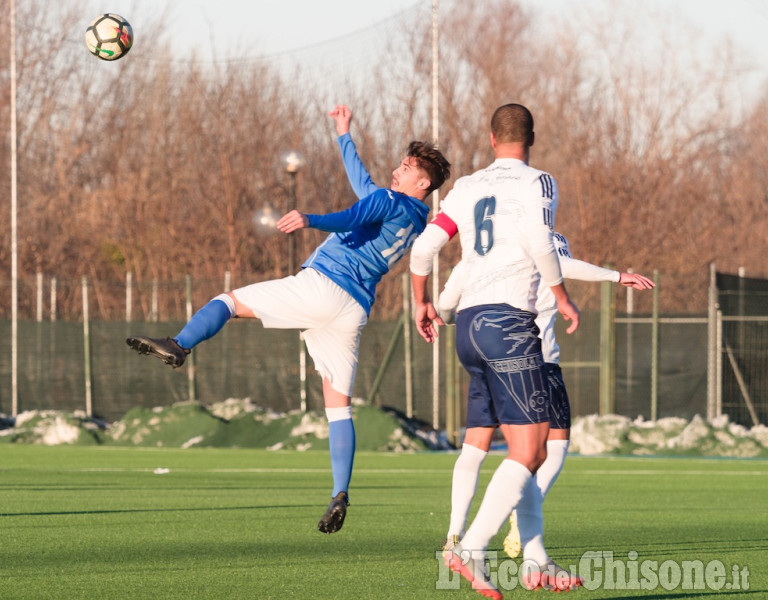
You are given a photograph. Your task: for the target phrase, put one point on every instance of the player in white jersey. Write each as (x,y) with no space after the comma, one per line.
(467,467)
(504,215)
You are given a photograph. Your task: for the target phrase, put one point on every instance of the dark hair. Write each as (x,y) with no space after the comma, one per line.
(512,123)
(429,158)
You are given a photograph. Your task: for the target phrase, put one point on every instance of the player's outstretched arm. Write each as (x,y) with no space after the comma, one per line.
(636,281)
(343,117)
(358,175)
(292,221)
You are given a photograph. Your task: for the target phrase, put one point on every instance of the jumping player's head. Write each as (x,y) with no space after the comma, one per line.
(512,124)
(423,170)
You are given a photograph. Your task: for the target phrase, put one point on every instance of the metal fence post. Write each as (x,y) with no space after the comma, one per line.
(155,317)
(87,350)
(607,355)
(191,358)
(451,418)
(128,297)
(713,347)
(39,312)
(408,345)
(718,367)
(655,350)
(53,299)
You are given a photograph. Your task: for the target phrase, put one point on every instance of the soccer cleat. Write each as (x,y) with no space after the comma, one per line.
(512,545)
(551,577)
(461,562)
(450,542)
(167,350)
(333,518)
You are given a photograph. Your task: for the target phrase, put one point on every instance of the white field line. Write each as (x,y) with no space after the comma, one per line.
(676,473)
(249,470)
(257,470)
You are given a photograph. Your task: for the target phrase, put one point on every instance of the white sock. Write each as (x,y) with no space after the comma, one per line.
(530,520)
(530,524)
(338,414)
(463,486)
(547,474)
(502,495)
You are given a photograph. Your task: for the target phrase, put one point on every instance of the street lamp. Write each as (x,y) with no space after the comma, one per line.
(292,161)
(265,220)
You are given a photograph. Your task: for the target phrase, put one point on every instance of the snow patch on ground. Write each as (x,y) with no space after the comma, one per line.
(612,434)
(590,434)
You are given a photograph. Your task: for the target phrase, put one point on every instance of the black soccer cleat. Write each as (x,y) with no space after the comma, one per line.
(167,350)
(333,518)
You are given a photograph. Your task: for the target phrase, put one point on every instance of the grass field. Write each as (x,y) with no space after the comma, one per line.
(98,522)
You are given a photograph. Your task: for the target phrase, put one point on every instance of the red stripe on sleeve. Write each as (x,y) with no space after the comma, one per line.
(445,223)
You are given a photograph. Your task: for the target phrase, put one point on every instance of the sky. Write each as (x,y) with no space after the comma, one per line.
(256,27)
(334,39)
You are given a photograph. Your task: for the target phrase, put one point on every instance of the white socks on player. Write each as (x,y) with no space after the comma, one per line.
(502,495)
(464,485)
(547,474)
(530,520)
(530,524)
(338,414)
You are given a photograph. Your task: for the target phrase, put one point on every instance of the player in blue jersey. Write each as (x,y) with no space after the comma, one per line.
(331,297)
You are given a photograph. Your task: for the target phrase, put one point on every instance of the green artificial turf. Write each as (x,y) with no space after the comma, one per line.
(98,522)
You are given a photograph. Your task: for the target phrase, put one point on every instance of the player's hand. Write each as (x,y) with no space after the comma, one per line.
(426,317)
(343,117)
(637,281)
(570,312)
(292,221)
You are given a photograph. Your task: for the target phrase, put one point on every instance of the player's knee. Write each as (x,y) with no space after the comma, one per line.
(538,458)
(531,458)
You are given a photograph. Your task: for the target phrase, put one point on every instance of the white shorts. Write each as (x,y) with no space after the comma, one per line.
(330,318)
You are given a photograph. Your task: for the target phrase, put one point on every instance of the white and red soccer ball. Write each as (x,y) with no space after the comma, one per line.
(109,36)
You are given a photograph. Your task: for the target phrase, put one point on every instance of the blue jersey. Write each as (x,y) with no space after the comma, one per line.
(369,237)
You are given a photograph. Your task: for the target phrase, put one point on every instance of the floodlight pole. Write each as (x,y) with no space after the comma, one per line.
(14,234)
(435,208)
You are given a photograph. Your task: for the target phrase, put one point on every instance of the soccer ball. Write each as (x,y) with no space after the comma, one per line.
(109,37)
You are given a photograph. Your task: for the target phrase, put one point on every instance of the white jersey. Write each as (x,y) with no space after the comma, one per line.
(546,304)
(504,215)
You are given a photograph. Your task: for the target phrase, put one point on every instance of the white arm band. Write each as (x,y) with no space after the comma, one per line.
(426,247)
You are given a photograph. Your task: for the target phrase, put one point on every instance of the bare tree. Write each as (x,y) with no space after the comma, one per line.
(156,167)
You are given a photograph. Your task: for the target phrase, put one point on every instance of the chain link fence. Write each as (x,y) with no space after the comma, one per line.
(646,365)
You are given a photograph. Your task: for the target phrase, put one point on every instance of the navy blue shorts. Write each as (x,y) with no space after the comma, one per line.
(559,407)
(500,348)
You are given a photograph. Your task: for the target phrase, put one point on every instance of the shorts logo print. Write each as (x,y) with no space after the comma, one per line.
(501,350)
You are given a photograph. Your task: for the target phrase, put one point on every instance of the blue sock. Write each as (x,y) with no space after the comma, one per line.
(341,439)
(204,324)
